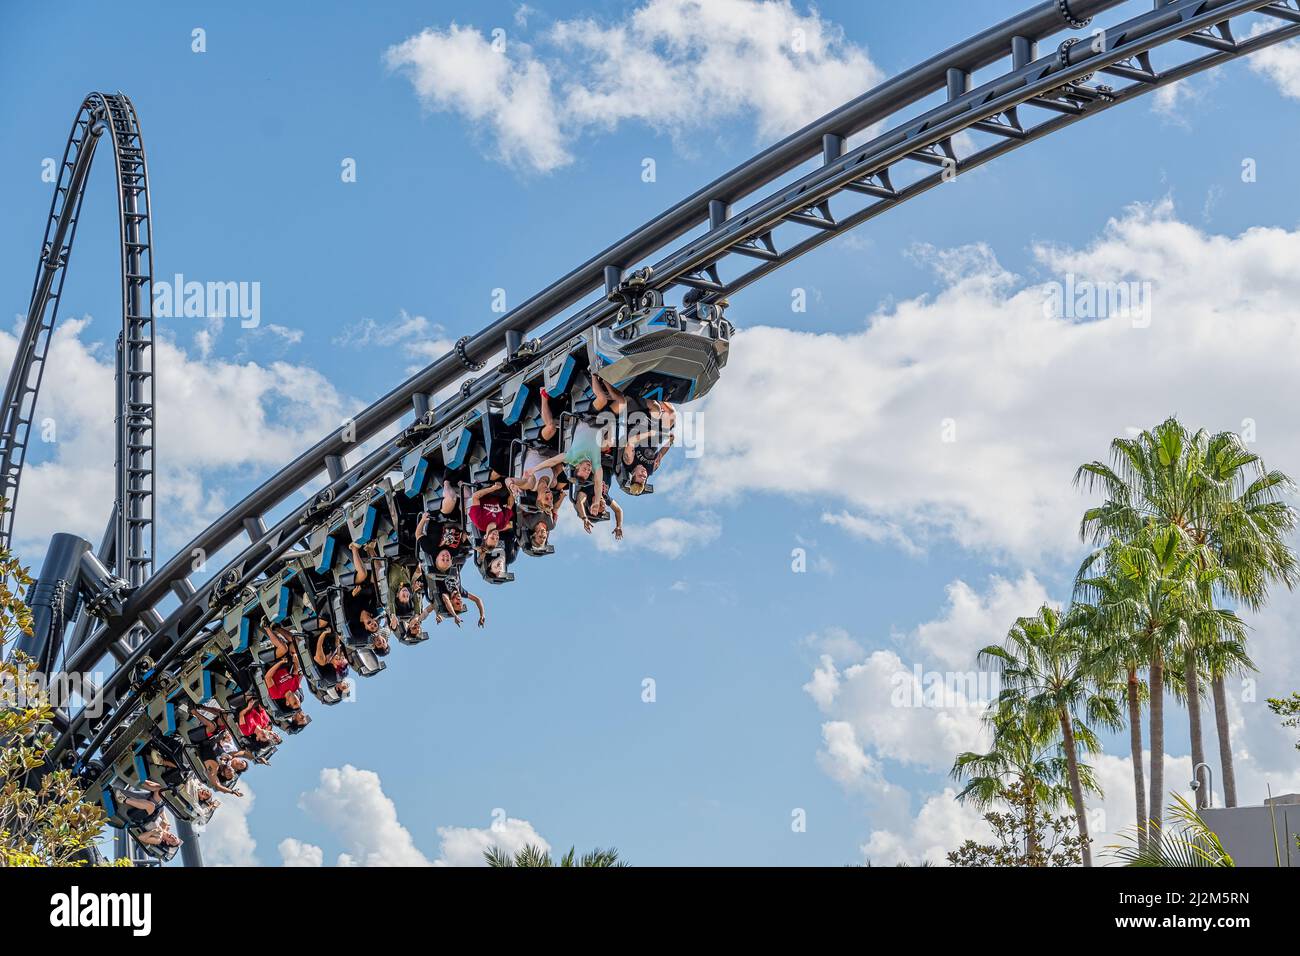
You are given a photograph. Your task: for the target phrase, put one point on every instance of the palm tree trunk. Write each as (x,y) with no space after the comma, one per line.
(1156,814)
(1225,740)
(1135,748)
(1193,685)
(1076,787)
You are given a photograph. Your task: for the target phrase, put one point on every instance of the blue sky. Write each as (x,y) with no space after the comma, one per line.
(767,681)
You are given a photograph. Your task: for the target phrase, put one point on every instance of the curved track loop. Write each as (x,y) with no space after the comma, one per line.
(1036,96)
(109,116)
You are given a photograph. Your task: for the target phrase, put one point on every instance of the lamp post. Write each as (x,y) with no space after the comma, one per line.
(1196,786)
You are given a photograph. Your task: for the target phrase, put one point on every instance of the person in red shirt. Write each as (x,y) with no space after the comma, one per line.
(491,511)
(283,678)
(253,719)
(256,729)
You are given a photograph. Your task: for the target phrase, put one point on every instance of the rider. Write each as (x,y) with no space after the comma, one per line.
(645,421)
(283,680)
(590,508)
(452,595)
(442,540)
(360,609)
(330,658)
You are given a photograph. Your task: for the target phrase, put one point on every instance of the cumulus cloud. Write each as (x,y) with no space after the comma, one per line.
(672,537)
(940,826)
(1280,62)
(971,620)
(845,761)
(669,537)
(985,394)
(274,410)
(893,713)
(910,710)
(920,703)
(352,804)
(353,807)
(837,642)
(226,840)
(465,846)
(533,102)
(296,853)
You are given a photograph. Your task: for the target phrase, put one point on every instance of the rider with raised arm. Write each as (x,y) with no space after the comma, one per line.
(441,540)
(590,509)
(283,680)
(451,598)
(360,604)
(330,658)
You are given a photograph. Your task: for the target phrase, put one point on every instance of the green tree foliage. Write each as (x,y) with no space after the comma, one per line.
(43,818)
(1024,834)
(535,856)
(1050,673)
(1185,842)
(1288,708)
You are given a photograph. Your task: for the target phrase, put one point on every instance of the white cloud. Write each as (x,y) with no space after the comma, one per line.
(226,840)
(352,804)
(837,642)
(884,712)
(1170,101)
(923,706)
(668,537)
(296,853)
(216,420)
(401,331)
(415,335)
(1280,62)
(986,404)
(465,846)
(672,537)
(522,12)
(941,825)
(882,700)
(971,621)
(458,70)
(759,58)
(845,761)
(874,530)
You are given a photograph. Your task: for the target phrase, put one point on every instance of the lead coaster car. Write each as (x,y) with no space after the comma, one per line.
(657,352)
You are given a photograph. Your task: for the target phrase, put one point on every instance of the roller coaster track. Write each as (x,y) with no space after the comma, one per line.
(924,127)
(129,545)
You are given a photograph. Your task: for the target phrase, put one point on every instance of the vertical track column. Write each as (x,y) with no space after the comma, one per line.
(135,506)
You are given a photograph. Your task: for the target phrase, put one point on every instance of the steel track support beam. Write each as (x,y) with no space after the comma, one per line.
(53,600)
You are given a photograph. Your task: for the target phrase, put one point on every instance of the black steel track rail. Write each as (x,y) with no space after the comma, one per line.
(1055,85)
(111,116)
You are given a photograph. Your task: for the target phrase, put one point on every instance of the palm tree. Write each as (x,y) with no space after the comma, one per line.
(1150,589)
(1223,659)
(1249,536)
(1121,655)
(1050,670)
(535,856)
(1023,756)
(1229,513)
